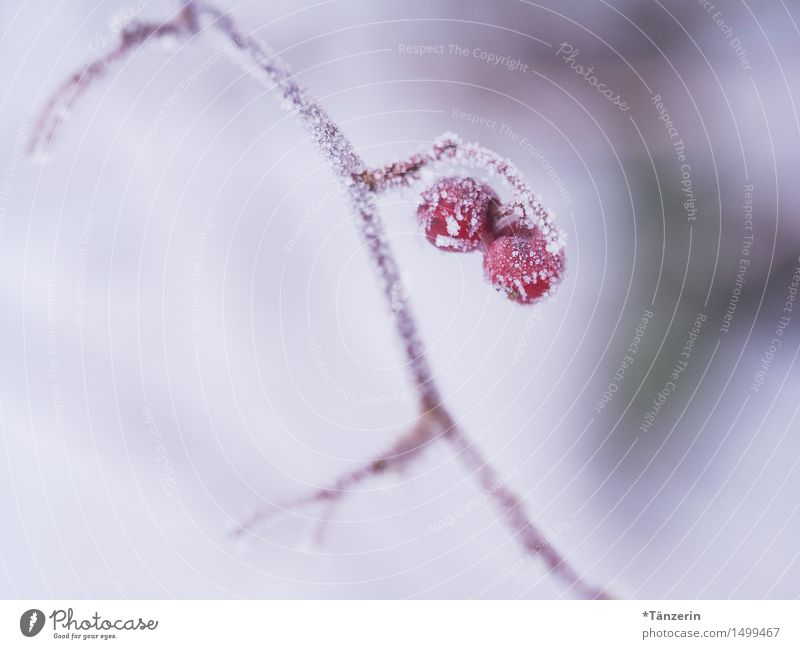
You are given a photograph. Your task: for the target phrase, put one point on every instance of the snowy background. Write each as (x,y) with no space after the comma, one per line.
(190,327)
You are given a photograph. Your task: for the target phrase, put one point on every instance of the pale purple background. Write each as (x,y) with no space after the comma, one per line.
(228,295)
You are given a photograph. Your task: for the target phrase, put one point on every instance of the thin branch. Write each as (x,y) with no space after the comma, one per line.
(525,531)
(524,207)
(409,446)
(361,184)
(58,107)
(262,62)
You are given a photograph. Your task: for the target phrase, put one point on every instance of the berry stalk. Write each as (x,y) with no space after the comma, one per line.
(361,184)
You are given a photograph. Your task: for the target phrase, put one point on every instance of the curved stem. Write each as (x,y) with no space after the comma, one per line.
(513,511)
(361,185)
(58,107)
(409,446)
(524,207)
(336,148)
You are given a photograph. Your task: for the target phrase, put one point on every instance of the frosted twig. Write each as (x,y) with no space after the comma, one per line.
(57,108)
(259,60)
(448,150)
(410,445)
(525,531)
(361,184)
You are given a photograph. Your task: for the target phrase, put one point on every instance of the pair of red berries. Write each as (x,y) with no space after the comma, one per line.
(519,259)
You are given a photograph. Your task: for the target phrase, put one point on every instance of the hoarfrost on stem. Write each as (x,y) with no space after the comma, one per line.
(361,184)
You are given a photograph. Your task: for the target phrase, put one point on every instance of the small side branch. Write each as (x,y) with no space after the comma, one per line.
(263,63)
(407,448)
(362,185)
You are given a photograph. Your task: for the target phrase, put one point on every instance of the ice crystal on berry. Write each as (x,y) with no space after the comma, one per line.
(523,267)
(455,213)
(523,248)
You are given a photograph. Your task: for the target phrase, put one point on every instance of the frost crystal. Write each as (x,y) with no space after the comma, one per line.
(524,263)
(455,213)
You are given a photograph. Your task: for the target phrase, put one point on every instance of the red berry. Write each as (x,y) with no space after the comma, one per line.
(455,213)
(524,267)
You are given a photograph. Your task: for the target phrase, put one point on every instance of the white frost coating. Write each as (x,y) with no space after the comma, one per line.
(451,243)
(523,209)
(262,62)
(456,206)
(453,228)
(361,185)
(265,65)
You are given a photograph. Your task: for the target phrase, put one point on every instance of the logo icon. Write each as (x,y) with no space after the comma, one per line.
(31,622)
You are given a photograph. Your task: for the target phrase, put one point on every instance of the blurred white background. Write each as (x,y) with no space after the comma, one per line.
(191,328)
